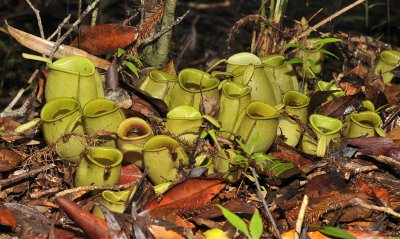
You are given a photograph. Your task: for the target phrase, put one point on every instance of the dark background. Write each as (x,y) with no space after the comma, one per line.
(206,30)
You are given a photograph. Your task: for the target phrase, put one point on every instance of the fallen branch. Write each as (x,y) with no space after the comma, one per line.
(29,174)
(300,217)
(96,187)
(387,210)
(328,19)
(269,214)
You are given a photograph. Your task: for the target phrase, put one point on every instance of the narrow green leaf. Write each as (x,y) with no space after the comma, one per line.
(324,41)
(256,225)
(132,67)
(282,167)
(244,147)
(329,53)
(263,156)
(135,59)
(240,159)
(253,142)
(120,52)
(235,220)
(295,60)
(336,232)
(295,45)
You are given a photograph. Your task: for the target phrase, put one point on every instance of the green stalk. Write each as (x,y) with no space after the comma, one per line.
(157,54)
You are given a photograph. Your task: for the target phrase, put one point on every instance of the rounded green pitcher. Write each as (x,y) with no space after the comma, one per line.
(296,104)
(103,114)
(61,116)
(113,200)
(196,88)
(132,135)
(363,124)
(184,122)
(247,69)
(99,166)
(163,156)
(327,129)
(388,60)
(281,71)
(71,76)
(234,99)
(259,123)
(159,85)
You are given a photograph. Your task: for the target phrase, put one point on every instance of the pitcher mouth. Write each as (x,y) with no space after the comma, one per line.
(334,127)
(261,110)
(86,68)
(161,76)
(109,107)
(101,152)
(360,117)
(235,90)
(144,130)
(191,79)
(61,104)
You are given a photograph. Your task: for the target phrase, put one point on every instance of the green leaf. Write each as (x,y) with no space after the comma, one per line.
(394,238)
(336,232)
(256,226)
(240,159)
(253,142)
(328,53)
(244,147)
(235,220)
(295,45)
(120,52)
(295,60)
(132,67)
(135,59)
(324,41)
(282,167)
(263,156)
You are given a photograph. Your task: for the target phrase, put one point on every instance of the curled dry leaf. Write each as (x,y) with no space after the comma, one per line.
(6,217)
(129,173)
(9,160)
(192,193)
(93,226)
(105,38)
(394,135)
(44,47)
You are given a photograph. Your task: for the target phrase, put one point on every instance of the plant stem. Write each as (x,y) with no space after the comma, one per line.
(269,214)
(157,54)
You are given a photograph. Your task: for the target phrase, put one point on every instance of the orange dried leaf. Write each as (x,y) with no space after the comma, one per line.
(6,217)
(394,135)
(190,194)
(105,38)
(162,233)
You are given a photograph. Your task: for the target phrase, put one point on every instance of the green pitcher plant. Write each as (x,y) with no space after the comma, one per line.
(327,86)
(234,99)
(102,114)
(290,129)
(194,88)
(184,122)
(281,71)
(159,85)
(260,120)
(71,76)
(388,61)
(296,104)
(99,166)
(113,200)
(132,134)
(362,124)
(327,129)
(224,163)
(247,69)
(61,116)
(163,156)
